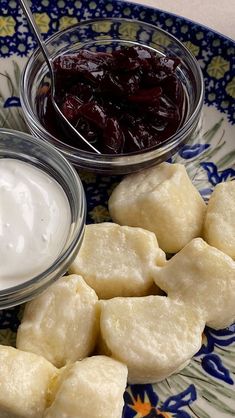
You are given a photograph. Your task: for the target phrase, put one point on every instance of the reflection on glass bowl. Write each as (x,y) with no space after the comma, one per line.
(108,35)
(43,156)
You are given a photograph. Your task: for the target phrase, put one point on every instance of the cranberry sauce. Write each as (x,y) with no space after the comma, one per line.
(122,102)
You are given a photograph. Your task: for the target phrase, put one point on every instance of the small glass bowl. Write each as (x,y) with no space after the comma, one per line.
(105,35)
(43,155)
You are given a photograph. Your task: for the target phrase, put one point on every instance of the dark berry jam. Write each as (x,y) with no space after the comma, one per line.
(121,102)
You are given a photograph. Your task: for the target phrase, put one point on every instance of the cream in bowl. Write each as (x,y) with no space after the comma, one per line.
(35,221)
(42,216)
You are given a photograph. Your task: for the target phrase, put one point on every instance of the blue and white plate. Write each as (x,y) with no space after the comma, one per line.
(206,388)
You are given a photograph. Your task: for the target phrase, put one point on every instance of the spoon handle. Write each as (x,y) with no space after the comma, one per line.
(29,16)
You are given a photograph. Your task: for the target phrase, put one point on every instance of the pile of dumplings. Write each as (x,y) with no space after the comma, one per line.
(141,314)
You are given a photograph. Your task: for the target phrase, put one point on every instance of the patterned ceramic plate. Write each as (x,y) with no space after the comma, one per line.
(206,388)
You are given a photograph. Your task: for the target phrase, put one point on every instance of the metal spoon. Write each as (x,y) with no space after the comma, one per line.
(44,50)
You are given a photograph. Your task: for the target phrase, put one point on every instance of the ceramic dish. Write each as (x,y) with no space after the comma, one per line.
(206,388)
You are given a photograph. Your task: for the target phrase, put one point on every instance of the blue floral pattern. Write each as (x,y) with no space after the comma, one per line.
(214,52)
(214,176)
(142,402)
(211,362)
(217,338)
(192,151)
(213,365)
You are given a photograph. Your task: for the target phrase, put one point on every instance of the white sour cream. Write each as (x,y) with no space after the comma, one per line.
(35,220)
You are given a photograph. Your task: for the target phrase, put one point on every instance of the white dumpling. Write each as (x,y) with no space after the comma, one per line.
(118,260)
(91,388)
(161,199)
(219,227)
(25,379)
(61,324)
(203,277)
(153,335)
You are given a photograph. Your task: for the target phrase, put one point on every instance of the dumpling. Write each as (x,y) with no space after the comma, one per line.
(161,199)
(219,227)
(203,277)
(61,324)
(153,335)
(91,388)
(118,260)
(25,379)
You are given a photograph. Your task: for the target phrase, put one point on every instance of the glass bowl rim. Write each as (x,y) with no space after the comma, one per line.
(106,159)
(79,226)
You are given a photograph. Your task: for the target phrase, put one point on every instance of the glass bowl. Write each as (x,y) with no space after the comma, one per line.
(104,35)
(43,155)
